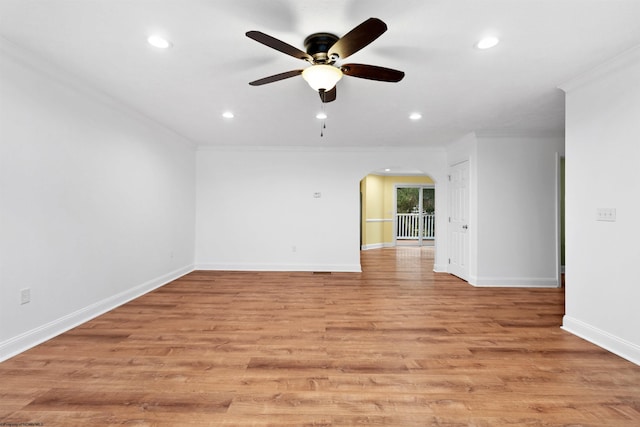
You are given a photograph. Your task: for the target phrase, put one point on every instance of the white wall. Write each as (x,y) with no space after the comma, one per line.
(513,215)
(518,183)
(603,148)
(96,202)
(256,205)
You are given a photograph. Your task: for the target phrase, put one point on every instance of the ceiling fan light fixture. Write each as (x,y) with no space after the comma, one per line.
(322,76)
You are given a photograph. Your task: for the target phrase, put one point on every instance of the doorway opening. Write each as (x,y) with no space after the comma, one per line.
(397,209)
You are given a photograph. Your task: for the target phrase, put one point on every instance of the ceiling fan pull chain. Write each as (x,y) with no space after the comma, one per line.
(323,125)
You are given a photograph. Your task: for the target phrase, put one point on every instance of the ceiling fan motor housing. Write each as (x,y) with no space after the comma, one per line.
(318,46)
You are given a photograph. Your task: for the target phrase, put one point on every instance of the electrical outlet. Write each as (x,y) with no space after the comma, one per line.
(25,296)
(606,214)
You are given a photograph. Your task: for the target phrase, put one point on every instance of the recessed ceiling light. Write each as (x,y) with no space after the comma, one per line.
(228,115)
(387,170)
(415,116)
(321,116)
(159,42)
(487,42)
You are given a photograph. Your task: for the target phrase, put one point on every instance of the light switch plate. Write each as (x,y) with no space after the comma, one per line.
(25,296)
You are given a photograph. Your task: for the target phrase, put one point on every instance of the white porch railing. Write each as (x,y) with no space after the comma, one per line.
(408,226)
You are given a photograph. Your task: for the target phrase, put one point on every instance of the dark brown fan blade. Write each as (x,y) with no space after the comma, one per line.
(372,72)
(276,78)
(278,45)
(358,38)
(328,95)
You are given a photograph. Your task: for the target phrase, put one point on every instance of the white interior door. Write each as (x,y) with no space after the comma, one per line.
(459,220)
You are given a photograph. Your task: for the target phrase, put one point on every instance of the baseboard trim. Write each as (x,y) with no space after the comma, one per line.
(32,338)
(337,268)
(616,345)
(440,268)
(377,246)
(514,282)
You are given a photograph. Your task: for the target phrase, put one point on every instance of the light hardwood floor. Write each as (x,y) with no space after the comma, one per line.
(396,345)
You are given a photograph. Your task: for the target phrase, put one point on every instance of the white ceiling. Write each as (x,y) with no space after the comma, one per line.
(456,87)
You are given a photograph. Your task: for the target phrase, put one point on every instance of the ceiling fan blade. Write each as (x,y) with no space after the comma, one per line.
(276,77)
(372,72)
(328,95)
(358,38)
(278,45)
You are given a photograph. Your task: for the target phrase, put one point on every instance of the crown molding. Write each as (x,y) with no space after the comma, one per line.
(619,62)
(522,133)
(48,69)
(310,149)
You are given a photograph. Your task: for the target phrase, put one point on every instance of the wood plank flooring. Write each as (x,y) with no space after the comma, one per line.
(396,345)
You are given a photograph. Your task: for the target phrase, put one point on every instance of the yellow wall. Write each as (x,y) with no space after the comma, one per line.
(377,204)
(372,208)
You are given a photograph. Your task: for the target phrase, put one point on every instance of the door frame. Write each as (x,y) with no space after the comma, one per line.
(420,205)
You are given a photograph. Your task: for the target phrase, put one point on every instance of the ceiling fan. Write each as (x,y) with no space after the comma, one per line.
(322,52)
